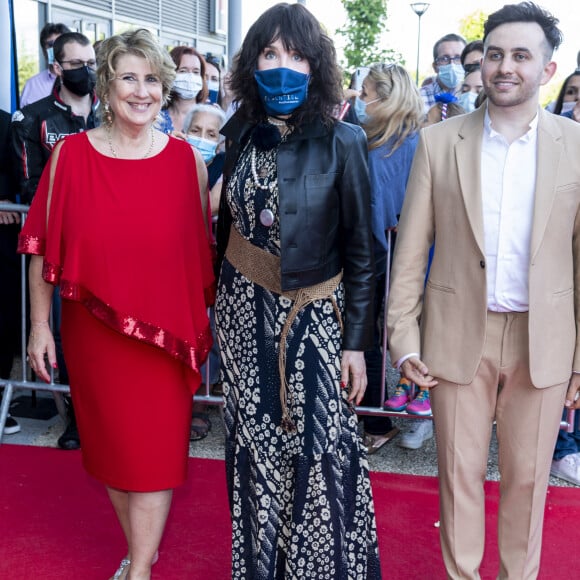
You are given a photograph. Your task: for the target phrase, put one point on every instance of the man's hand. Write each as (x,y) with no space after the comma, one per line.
(9,217)
(572,397)
(416,371)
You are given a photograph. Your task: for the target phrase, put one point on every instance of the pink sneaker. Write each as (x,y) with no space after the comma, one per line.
(420,405)
(399,400)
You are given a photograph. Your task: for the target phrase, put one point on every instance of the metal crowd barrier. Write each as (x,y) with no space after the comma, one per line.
(26,381)
(566,425)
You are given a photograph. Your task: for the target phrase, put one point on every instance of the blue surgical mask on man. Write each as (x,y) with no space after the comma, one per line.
(206,147)
(50,55)
(360,108)
(282,90)
(451,75)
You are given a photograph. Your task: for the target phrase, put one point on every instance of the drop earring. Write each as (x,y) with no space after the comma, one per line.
(107,114)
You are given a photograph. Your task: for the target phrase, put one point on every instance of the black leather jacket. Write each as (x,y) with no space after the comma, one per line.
(325,215)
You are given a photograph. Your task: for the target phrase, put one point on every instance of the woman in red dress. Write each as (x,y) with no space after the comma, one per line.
(118,222)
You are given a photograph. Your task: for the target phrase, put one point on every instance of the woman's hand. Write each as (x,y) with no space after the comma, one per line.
(354,374)
(41,343)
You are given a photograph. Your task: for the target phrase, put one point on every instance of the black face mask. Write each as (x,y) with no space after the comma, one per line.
(80,81)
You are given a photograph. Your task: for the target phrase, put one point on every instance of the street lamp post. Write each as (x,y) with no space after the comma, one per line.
(419,8)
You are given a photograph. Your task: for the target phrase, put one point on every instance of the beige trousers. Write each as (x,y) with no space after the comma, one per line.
(527,426)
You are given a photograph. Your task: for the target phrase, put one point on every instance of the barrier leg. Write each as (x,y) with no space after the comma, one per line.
(385,335)
(568,424)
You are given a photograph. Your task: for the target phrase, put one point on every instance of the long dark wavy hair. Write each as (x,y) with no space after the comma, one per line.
(298,30)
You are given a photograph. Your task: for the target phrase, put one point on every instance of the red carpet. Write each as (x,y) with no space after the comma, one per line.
(56,523)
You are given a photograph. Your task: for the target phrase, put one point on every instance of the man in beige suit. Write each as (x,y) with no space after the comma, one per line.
(495,332)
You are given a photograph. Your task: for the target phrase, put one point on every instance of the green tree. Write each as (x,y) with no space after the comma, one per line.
(27,67)
(471,27)
(366,23)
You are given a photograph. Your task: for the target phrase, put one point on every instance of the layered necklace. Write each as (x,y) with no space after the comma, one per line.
(268,185)
(114,153)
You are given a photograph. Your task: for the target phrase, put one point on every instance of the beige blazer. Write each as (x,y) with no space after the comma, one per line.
(446,321)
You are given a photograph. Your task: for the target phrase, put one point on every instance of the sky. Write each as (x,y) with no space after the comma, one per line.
(442,17)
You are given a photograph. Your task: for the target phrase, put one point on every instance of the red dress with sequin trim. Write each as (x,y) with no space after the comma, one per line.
(127,244)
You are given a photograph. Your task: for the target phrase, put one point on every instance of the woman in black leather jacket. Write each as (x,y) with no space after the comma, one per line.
(294,309)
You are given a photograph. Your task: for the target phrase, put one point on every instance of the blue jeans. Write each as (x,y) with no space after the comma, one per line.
(374,363)
(568,443)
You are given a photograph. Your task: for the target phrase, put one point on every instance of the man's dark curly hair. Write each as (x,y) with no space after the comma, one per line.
(298,30)
(526,12)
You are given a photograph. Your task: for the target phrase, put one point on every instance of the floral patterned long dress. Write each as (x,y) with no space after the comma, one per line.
(301,503)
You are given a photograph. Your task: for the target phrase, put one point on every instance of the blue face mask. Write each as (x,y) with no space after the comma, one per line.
(451,75)
(214,91)
(282,90)
(206,147)
(50,55)
(467,101)
(360,108)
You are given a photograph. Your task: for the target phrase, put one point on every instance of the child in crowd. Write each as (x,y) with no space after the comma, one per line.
(445,107)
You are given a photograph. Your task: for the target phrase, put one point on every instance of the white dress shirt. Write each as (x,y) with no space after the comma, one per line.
(508,184)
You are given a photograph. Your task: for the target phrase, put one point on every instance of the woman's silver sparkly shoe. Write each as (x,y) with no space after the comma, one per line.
(120,573)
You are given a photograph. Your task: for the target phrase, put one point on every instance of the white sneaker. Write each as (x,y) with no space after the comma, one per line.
(11,426)
(567,468)
(420,430)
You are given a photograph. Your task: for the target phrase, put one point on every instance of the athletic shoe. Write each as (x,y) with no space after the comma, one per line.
(11,426)
(421,404)
(567,468)
(399,400)
(420,430)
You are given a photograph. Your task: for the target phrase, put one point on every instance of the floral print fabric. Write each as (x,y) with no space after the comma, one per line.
(301,502)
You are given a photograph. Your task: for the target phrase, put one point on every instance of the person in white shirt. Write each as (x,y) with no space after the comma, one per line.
(495,333)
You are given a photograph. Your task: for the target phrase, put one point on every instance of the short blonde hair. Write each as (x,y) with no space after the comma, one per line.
(399,112)
(141,43)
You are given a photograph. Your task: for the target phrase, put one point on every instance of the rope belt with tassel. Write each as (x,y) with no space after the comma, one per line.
(263,268)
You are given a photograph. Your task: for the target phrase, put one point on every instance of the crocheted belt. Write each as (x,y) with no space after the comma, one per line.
(263,268)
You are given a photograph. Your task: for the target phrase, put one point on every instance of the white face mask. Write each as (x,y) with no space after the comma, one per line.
(187,85)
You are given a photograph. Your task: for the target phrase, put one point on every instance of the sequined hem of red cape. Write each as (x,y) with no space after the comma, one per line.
(192,355)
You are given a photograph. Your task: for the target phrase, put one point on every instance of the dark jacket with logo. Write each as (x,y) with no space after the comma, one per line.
(325,215)
(36,129)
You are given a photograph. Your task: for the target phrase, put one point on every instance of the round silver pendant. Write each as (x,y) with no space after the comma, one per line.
(266,217)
